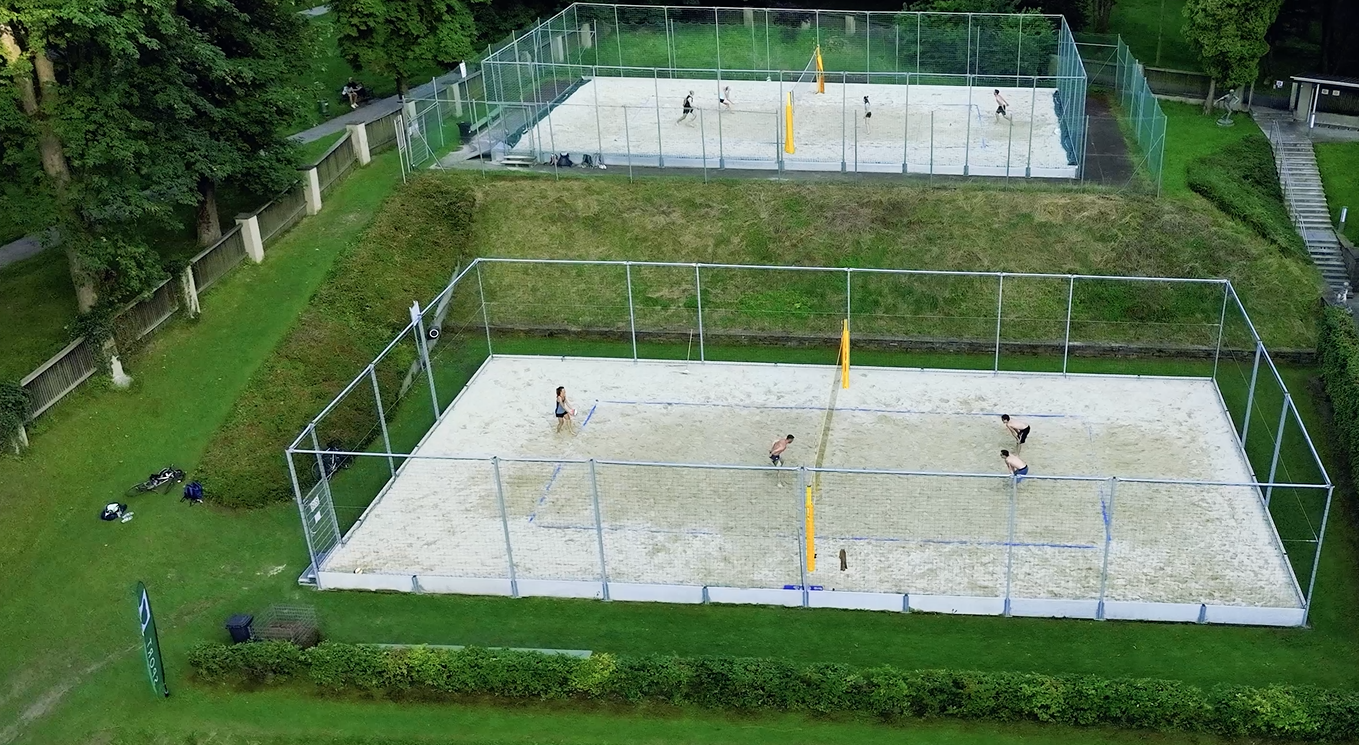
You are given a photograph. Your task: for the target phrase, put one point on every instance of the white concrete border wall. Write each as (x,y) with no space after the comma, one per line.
(794,598)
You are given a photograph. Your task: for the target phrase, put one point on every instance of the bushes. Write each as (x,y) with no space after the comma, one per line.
(408,253)
(1242,181)
(749,684)
(1338,352)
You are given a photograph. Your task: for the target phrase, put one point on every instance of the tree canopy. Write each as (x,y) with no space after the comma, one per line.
(117,113)
(1229,36)
(398,37)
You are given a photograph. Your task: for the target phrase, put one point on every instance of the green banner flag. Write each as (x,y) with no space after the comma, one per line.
(155,669)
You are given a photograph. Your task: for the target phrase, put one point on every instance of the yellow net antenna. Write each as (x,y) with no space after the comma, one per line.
(810,530)
(788,125)
(820,73)
(844,356)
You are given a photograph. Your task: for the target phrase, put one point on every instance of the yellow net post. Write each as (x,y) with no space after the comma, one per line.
(844,356)
(788,125)
(810,532)
(820,73)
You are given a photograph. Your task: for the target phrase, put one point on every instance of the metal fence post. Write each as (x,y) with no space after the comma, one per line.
(1316,558)
(1108,541)
(848,308)
(485,318)
(627,141)
(1221,326)
(1278,442)
(325,481)
(599,530)
(1250,393)
(1000,300)
(302,513)
(505,525)
(1033,99)
(698,290)
(418,326)
(1066,343)
(656,86)
(632,314)
(703,144)
(1010,543)
(802,531)
(382,418)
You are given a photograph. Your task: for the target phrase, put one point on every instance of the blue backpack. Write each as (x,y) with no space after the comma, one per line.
(193,491)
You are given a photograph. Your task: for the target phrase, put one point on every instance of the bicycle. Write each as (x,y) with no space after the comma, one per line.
(157,480)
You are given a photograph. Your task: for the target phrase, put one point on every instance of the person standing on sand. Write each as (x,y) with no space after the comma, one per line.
(564,411)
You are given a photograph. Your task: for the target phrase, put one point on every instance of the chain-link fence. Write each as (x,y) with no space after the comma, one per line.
(1091,546)
(1143,115)
(783,90)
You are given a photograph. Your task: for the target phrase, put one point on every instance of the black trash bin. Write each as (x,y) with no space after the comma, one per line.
(239,627)
(465,132)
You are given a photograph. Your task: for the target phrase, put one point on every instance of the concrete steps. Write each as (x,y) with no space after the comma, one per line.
(1306,200)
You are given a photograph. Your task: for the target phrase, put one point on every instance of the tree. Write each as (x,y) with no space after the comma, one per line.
(1229,36)
(243,97)
(398,37)
(133,108)
(1098,11)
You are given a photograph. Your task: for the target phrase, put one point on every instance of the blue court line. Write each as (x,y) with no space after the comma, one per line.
(823,408)
(558,470)
(934,541)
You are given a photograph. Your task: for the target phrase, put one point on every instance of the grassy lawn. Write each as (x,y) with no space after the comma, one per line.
(1339,164)
(1190,134)
(70,669)
(37,303)
(1140,22)
(310,152)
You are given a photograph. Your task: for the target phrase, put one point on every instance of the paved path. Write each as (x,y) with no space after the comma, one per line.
(29,245)
(371,111)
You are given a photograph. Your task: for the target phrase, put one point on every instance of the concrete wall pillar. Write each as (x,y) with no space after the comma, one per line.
(311,189)
(749,14)
(456,89)
(558,49)
(188,288)
(587,36)
(358,139)
(250,237)
(850,25)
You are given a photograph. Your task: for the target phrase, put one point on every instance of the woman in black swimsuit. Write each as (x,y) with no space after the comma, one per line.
(688,108)
(564,411)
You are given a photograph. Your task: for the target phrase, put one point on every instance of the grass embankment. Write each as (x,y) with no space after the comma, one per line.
(1242,181)
(71,671)
(1339,165)
(1191,135)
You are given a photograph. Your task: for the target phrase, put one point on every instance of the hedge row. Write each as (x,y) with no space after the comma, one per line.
(1338,352)
(752,684)
(1242,181)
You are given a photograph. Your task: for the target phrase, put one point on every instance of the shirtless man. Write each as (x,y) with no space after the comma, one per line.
(1017,429)
(1018,468)
(1001,105)
(776,452)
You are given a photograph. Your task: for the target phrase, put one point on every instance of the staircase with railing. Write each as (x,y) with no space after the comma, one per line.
(1306,200)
